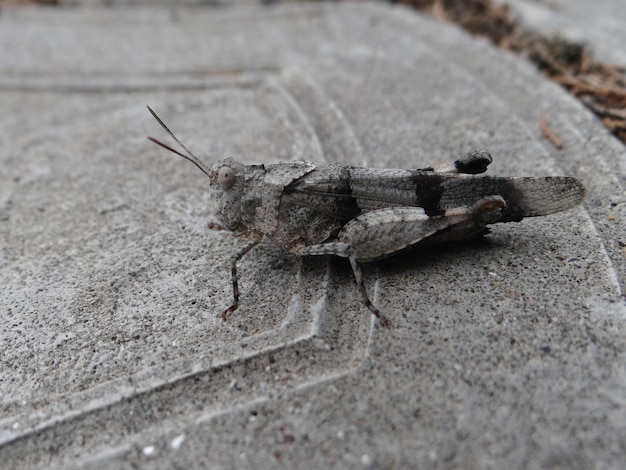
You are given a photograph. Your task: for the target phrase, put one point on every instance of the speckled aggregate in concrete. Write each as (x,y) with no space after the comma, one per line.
(507,353)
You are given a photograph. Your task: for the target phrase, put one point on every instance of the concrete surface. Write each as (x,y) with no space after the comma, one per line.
(507,353)
(600,25)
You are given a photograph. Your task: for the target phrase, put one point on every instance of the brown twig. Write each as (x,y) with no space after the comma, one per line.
(545,128)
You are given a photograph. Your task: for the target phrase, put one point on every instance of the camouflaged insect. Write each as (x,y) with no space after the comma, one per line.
(365,214)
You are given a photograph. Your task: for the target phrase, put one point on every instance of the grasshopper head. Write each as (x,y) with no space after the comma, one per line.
(227,180)
(227,185)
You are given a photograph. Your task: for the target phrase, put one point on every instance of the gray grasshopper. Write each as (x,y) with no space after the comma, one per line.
(365,214)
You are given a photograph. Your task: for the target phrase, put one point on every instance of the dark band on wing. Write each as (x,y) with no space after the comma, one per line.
(346,204)
(428,193)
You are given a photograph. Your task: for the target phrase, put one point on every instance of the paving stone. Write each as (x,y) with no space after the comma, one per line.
(505,353)
(600,25)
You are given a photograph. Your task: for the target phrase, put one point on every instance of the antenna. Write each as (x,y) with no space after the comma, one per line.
(188,155)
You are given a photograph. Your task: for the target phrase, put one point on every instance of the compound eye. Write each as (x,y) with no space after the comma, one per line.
(226,177)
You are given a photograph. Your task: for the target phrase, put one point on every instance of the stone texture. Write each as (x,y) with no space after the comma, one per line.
(503,353)
(600,25)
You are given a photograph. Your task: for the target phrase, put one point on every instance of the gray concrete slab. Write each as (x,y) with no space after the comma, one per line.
(503,354)
(601,25)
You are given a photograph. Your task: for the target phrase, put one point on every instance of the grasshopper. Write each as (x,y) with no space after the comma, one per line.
(365,214)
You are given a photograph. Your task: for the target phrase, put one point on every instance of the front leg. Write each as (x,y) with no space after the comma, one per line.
(233,270)
(383,232)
